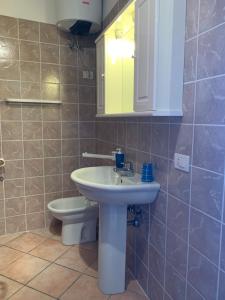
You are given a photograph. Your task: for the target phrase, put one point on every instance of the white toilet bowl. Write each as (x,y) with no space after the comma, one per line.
(79,219)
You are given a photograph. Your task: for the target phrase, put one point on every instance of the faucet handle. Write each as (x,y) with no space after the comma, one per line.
(129,165)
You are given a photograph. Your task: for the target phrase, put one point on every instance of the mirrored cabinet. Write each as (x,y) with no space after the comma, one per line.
(140,60)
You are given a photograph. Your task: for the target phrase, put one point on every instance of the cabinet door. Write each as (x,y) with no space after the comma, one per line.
(144,55)
(100,49)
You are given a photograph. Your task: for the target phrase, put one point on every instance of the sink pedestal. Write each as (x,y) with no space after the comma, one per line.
(112,247)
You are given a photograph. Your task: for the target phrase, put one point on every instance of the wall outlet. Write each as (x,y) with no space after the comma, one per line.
(182,162)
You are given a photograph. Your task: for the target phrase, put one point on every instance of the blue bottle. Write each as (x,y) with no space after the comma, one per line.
(119,159)
(147,173)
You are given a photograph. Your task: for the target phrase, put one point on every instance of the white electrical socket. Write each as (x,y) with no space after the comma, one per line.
(182,162)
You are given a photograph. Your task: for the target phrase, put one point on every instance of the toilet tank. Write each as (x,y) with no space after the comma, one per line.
(79,16)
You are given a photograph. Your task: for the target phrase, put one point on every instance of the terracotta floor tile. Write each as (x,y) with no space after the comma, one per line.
(54,280)
(28,294)
(132,284)
(128,296)
(50,250)
(43,232)
(4,239)
(77,258)
(7,256)
(25,268)
(8,287)
(84,288)
(90,246)
(92,270)
(26,242)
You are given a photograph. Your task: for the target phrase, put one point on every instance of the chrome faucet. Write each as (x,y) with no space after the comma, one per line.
(127,170)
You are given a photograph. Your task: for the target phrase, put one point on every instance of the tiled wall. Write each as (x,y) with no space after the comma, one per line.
(41,143)
(179,251)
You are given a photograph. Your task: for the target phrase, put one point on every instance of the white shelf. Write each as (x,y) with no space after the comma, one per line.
(36,101)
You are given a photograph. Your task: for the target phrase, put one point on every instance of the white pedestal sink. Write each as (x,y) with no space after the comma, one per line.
(113,193)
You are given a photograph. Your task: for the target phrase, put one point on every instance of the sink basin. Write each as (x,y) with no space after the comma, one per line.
(114,193)
(103,185)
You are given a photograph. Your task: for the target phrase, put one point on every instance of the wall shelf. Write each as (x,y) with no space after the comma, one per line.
(35,101)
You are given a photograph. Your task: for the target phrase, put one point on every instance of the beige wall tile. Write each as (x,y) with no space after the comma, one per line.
(87,94)
(50,73)
(15,224)
(2,208)
(9,48)
(70,130)
(29,51)
(87,145)
(51,113)
(12,149)
(31,112)
(87,112)
(68,56)
(68,184)
(32,130)
(70,147)
(53,183)
(52,148)
(9,89)
(34,186)
(87,130)
(69,112)
(53,166)
(2,226)
(30,71)
(15,206)
(49,53)
(9,69)
(30,90)
(10,112)
(28,30)
(52,130)
(14,169)
(33,167)
(8,27)
(35,221)
(14,188)
(48,33)
(87,58)
(69,93)
(70,164)
(11,130)
(69,75)
(50,91)
(35,203)
(33,149)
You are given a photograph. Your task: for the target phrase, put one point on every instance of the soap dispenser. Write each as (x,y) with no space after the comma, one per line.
(119,159)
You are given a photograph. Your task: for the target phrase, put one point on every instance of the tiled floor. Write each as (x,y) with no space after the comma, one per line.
(37,266)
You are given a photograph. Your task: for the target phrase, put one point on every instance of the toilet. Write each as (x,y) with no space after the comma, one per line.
(79,219)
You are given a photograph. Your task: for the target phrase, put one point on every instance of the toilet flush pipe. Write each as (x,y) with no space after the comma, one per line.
(92,155)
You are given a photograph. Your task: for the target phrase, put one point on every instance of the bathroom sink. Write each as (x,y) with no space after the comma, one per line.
(103,185)
(113,193)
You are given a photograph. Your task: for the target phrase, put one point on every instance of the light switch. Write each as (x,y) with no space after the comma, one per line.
(85,75)
(182,162)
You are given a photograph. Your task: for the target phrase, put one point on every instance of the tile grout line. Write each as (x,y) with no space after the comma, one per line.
(22,129)
(192,153)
